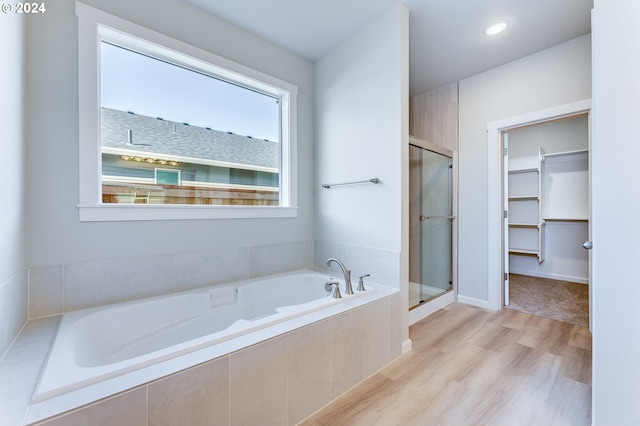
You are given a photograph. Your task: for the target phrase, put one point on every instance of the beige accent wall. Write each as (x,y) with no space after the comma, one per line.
(434,116)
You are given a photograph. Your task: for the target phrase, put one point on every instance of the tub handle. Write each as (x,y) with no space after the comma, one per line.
(335,286)
(361,282)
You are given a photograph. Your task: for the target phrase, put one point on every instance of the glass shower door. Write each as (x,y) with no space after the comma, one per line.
(430,253)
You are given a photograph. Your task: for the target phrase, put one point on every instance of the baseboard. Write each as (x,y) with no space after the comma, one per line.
(475,302)
(579,280)
(426,309)
(406,346)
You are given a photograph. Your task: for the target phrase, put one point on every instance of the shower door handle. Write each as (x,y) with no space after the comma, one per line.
(423,218)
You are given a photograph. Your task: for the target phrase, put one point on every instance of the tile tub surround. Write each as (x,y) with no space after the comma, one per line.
(13,309)
(57,289)
(20,368)
(300,367)
(383,265)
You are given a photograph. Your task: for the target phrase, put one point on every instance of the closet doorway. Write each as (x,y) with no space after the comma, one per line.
(546,203)
(431,219)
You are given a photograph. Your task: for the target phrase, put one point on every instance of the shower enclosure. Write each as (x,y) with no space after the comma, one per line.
(431,222)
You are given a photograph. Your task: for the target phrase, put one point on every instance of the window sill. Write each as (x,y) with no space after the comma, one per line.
(129,212)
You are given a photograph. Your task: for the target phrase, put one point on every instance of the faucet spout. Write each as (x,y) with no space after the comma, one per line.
(345,272)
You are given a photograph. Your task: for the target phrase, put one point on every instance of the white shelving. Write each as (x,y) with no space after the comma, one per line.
(555,191)
(565,186)
(526,227)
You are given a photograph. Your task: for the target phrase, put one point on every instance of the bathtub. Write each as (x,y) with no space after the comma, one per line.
(98,344)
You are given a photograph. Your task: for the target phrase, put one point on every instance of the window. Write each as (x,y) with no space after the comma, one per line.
(164,177)
(169,131)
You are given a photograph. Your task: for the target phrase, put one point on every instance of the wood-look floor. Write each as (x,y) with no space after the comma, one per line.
(470,366)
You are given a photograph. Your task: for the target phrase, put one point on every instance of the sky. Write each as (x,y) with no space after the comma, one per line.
(147,86)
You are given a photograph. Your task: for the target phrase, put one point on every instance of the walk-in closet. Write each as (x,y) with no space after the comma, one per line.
(547,208)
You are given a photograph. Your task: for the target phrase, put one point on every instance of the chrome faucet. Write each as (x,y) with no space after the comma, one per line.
(345,271)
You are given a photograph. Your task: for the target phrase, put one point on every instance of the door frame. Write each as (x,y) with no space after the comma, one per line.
(495,232)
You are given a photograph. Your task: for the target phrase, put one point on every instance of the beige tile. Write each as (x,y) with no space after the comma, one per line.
(346,351)
(309,364)
(129,408)
(258,384)
(45,291)
(396,312)
(198,396)
(377,336)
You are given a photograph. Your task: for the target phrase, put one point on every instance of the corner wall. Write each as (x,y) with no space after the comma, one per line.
(13,275)
(555,76)
(362,102)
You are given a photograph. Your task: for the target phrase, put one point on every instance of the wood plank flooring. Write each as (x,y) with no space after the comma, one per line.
(471,366)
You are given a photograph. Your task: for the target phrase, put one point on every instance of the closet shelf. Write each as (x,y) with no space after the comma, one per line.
(566,219)
(524,225)
(567,155)
(530,170)
(525,210)
(530,252)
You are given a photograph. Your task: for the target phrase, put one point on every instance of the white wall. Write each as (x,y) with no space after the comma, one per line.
(555,76)
(359,128)
(556,136)
(13,303)
(362,102)
(54,233)
(615,149)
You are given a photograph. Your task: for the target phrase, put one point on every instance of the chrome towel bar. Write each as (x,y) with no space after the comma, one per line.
(329,185)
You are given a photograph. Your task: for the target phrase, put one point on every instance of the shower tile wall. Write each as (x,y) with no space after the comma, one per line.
(61,288)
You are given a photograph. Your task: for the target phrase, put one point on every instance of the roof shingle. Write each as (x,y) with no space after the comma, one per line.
(164,137)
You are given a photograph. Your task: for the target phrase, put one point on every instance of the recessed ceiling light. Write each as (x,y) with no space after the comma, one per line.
(496,27)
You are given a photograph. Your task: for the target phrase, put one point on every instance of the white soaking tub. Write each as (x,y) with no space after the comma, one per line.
(97,344)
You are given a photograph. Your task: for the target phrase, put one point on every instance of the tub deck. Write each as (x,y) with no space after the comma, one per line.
(106,387)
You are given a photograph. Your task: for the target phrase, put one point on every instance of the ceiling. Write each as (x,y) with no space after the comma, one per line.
(447,42)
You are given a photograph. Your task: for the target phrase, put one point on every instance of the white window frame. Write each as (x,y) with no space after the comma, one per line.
(94,26)
(172,171)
